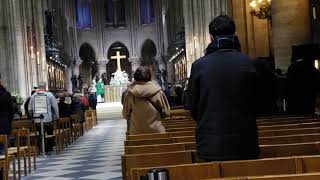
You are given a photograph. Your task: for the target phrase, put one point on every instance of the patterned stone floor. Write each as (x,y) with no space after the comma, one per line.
(96,155)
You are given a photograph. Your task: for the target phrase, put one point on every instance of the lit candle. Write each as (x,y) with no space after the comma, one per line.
(32,53)
(38,58)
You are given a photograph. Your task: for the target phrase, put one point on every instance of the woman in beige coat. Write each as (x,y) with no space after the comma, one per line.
(145,105)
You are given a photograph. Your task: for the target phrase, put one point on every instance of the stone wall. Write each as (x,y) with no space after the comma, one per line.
(252,32)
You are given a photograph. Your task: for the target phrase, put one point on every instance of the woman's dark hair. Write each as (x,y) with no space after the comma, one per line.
(222,25)
(142,74)
(62,99)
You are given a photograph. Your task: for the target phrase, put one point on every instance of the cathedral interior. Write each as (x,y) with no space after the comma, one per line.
(53,41)
(72,44)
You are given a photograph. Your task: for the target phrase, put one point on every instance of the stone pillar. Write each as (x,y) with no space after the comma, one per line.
(198,15)
(102,67)
(135,63)
(76,66)
(21,81)
(290,26)
(68,76)
(170,72)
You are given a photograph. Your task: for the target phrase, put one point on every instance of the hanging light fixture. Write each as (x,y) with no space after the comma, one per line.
(261,9)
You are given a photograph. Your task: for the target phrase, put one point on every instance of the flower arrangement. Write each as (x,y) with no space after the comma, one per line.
(19,98)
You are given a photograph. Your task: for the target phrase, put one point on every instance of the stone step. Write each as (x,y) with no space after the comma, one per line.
(109,111)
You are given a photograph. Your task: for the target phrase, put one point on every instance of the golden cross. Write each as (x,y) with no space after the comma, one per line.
(118,57)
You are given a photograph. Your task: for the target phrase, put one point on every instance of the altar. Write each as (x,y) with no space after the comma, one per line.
(118,84)
(113,93)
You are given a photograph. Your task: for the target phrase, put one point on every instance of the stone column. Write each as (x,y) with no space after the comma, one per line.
(68,76)
(290,26)
(198,15)
(102,67)
(76,66)
(18,48)
(135,63)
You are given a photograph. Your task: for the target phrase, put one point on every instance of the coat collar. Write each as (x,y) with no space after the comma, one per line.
(224,43)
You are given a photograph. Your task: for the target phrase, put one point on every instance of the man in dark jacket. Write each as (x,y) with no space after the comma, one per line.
(222,91)
(6,115)
(6,111)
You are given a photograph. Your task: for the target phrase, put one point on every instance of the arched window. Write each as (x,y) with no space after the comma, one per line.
(83,14)
(115,13)
(147,11)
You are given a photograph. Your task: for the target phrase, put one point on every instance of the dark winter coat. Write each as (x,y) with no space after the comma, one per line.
(303,85)
(222,90)
(93,101)
(78,108)
(6,111)
(64,109)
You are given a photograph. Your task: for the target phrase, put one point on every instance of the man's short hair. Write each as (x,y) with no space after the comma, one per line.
(142,74)
(222,25)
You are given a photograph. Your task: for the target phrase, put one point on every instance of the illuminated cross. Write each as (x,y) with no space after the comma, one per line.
(118,57)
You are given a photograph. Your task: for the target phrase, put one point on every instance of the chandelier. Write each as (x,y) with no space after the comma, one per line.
(261,9)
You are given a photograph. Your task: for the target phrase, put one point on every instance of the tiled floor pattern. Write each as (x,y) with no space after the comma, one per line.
(95,156)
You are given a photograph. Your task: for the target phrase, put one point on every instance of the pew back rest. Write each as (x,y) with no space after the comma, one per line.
(154,160)
(260,167)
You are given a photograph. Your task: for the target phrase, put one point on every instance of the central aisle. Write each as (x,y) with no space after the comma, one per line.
(96,155)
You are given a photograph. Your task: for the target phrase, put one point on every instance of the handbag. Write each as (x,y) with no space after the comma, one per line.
(162,114)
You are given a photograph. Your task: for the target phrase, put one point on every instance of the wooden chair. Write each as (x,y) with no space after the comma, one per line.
(94,117)
(4,159)
(77,126)
(21,135)
(27,124)
(54,136)
(88,120)
(65,132)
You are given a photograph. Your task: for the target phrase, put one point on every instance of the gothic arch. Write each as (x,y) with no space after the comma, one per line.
(88,68)
(87,53)
(148,52)
(112,64)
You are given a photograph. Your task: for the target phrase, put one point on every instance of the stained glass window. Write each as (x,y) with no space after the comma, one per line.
(147,11)
(83,14)
(115,13)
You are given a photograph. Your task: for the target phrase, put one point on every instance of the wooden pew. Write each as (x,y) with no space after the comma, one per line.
(268,133)
(260,167)
(267,151)
(290,126)
(308,124)
(138,155)
(147,160)
(270,121)
(191,123)
(285,132)
(289,139)
(261,128)
(307,176)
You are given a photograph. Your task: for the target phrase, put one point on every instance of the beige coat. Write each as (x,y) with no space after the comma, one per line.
(142,116)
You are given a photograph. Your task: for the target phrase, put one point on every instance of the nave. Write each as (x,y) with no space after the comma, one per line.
(96,155)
